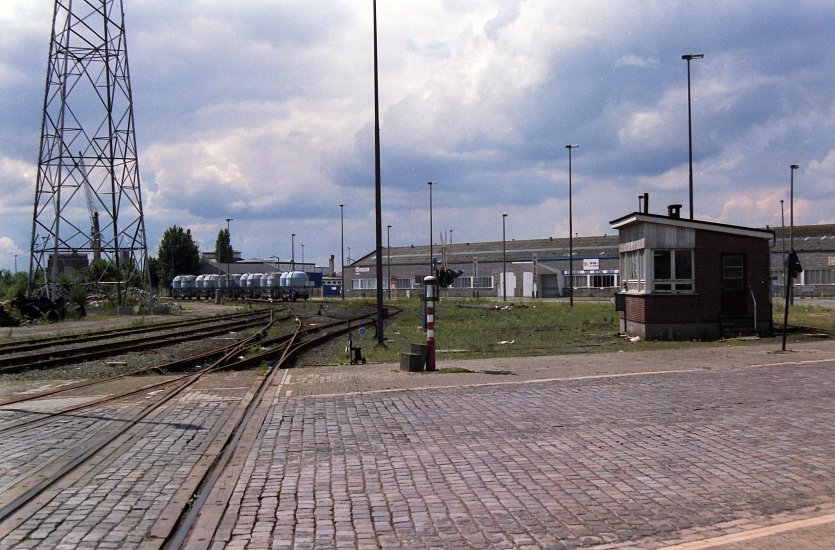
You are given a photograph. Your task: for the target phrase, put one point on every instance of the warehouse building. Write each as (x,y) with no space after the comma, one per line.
(540,267)
(537,268)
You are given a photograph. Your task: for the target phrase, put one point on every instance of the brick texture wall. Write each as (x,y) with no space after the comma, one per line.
(705,306)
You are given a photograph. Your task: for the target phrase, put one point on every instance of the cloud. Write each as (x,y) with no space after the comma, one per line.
(263,112)
(633,60)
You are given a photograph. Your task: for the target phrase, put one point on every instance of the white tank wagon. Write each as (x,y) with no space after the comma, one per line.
(290,285)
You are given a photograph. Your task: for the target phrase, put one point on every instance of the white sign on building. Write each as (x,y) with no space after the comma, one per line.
(591,264)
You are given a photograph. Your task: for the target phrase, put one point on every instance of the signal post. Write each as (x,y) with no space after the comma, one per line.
(431,285)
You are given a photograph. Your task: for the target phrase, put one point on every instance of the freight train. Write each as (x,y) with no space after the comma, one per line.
(287,286)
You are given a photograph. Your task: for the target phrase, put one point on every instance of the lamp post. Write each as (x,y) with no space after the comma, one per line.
(791,207)
(431,257)
(688,58)
(293,252)
(229,252)
(783,233)
(15,264)
(388,256)
(378,203)
(302,255)
(787,268)
(504,259)
(342,248)
(570,233)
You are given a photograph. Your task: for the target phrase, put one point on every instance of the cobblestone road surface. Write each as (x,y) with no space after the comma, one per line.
(725,441)
(710,447)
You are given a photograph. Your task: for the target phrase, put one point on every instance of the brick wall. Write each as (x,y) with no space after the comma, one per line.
(705,306)
(710,247)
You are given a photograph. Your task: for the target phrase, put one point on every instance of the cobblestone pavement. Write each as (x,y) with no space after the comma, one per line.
(724,446)
(579,452)
(131,493)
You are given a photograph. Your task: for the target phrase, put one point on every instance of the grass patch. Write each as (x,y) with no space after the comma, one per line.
(451,370)
(476,329)
(803,315)
(470,329)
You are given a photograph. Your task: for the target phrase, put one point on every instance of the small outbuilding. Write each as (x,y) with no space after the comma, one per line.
(685,279)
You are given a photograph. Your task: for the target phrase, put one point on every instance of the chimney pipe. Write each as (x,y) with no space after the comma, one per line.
(674,210)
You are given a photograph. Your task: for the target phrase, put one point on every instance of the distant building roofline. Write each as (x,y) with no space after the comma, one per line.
(641,217)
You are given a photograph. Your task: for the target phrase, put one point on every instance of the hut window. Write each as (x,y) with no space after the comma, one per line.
(672,270)
(632,268)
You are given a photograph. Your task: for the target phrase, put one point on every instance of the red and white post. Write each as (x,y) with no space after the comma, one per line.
(431,285)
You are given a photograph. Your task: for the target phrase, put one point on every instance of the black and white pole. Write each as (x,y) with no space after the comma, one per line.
(431,285)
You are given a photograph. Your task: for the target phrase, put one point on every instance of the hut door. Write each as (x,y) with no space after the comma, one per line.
(734,301)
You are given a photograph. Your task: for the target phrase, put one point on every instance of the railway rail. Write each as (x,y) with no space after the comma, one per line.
(54,352)
(115,421)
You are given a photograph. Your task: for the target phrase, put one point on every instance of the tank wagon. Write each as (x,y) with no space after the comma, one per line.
(287,286)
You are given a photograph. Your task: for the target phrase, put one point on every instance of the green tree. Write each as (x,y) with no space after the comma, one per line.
(178,254)
(223,247)
(11,284)
(155,271)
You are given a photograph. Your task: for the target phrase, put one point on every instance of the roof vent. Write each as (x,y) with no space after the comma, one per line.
(674,210)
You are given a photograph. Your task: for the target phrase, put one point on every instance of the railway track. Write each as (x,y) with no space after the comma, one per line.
(104,427)
(57,351)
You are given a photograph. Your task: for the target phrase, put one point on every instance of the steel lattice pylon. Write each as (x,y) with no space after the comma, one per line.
(88,202)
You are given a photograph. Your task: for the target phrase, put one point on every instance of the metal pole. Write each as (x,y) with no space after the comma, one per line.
(431,262)
(377,193)
(789,286)
(342,247)
(293,252)
(791,207)
(504,259)
(570,233)
(783,235)
(228,252)
(388,256)
(688,58)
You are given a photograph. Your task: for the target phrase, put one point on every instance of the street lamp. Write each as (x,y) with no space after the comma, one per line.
(791,207)
(504,258)
(787,269)
(342,247)
(431,258)
(378,203)
(783,234)
(388,256)
(570,233)
(302,255)
(688,58)
(229,253)
(293,252)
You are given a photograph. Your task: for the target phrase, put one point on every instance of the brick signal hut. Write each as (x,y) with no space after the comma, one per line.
(685,279)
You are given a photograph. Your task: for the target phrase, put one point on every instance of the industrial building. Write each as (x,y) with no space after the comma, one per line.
(536,268)
(539,267)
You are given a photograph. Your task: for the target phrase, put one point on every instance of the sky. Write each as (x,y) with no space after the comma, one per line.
(263,112)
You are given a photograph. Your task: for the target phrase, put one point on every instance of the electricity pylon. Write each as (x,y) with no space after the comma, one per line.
(88,199)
